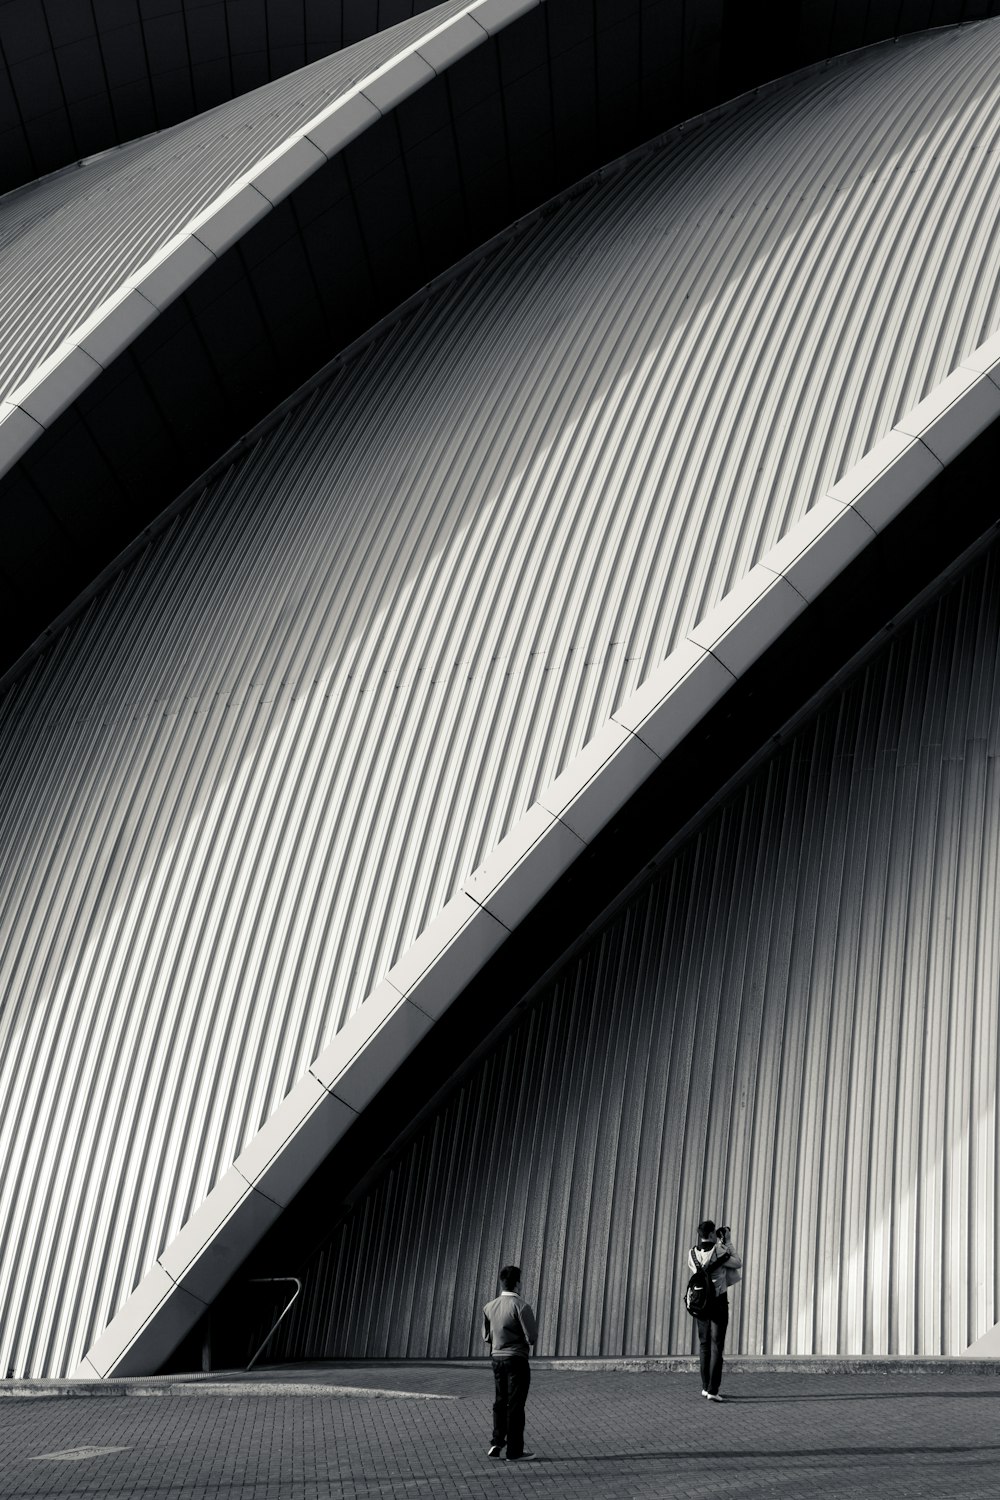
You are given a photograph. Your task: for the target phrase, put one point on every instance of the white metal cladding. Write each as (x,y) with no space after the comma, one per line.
(70,242)
(75,79)
(246,778)
(793,1028)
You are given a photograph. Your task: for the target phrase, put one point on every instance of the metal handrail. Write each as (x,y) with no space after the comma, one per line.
(284,1310)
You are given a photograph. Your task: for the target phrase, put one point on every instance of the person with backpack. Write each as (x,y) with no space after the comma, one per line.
(509,1329)
(715,1266)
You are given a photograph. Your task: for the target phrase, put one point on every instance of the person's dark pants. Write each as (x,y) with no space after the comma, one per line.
(712,1340)
(512,1377)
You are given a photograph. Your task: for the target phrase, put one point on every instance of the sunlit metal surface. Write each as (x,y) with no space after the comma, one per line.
(248,775)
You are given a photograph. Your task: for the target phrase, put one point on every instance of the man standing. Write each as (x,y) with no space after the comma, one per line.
(716,1252)
(509,1329)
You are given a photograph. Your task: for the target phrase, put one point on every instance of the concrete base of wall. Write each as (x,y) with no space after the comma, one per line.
(355,1378)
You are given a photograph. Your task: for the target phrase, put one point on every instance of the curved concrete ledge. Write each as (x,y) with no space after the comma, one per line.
(37,402)
(525,865)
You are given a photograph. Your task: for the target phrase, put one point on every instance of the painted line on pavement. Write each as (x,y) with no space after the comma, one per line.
(72,1455)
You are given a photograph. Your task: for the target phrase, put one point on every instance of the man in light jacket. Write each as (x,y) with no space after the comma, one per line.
(509,1329)
(717,1253)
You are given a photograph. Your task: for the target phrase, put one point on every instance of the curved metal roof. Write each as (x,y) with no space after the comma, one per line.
(248,783)
(569,815)
(71,244)
(77,79)
(90,259)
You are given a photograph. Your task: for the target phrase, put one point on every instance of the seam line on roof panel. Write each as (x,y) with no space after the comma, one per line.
(483,907)
(714,656)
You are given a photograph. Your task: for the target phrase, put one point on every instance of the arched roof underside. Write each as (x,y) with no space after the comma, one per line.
(76,79)
(459,121)
(267,774)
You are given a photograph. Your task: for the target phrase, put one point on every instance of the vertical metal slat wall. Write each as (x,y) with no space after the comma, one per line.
(794,1027)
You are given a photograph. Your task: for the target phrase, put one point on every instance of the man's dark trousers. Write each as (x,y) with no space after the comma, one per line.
(512,1377)
(712,1340)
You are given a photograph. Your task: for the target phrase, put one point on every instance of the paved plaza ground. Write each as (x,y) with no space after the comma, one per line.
(370,1431)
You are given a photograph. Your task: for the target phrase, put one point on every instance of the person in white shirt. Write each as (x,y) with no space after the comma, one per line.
(509,1329)
(717,1253)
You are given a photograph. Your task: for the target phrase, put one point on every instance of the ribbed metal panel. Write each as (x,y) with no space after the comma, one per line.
(245,778)
(793,1028)
(77,79)
(69,242)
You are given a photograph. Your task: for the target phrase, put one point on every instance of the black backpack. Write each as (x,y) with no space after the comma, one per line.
(699,1297)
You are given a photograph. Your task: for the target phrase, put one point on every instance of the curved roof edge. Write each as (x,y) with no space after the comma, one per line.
(78,80)
(41,398)
(418,990)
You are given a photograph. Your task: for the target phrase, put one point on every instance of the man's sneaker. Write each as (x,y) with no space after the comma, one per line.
(496,1450)
(520,1458)
(704,1393)
(714,1396)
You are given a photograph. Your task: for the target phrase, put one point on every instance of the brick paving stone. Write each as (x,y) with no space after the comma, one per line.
(603,1436)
